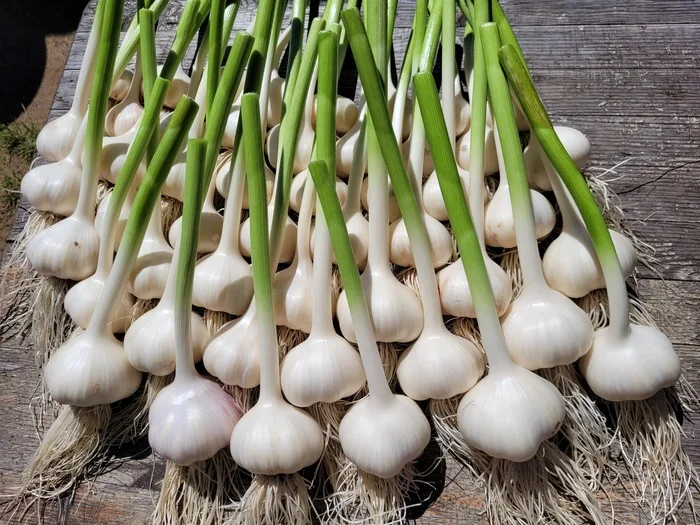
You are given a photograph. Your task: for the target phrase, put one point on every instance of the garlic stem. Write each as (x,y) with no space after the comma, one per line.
(142,208)
(186,259)
(147,52)
(184,34)
(84,84)
(216,49)
(374,370)
(478,124)
(106,54)
(510,159)
(576,184)
(432,38)
(270,389)
(448,68)
(463,228)
(357,170)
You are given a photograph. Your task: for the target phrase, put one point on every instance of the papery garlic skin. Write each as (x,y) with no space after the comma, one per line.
(274,437)
(53,187)
(67,250)
(439,365)
(396,312)
(543,328)
(499,223)
(288,240)
(56,138)
(81,300)
(231,355)
(455,295)
(401,252)
(632,367)
(383,436)
(572,268)
(509,413)
(490,157)
(322,369)
(90,369)
(210,228)
(191,420)
(149,344)
(223,283)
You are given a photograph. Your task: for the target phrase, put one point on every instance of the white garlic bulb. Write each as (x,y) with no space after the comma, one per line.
(392,206)
(210,226)
(274,102)
(56,138)
(231,126)
(90,369)
(576,144)
(345,147)
(297,190)
(346,114)
(124,118)
(432,195)
(54,187)
(499,224)
(179,86)
(289,234)
(439,365)
(401,252)
(223,282)
(149,273)
(123,214)
(462,110)
(358,231)
(274,437)
(323,369)
(222,179)
(490,156)
(293,296)
(396,312)
(510,412)
(302,156)
(455,295)
(82,298)
(190,420)
(630,367)
(113,157)
(381,436)
(121,85)
(543,328)
(67,250)
(232,354)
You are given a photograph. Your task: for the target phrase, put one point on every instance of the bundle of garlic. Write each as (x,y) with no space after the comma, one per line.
(459,283)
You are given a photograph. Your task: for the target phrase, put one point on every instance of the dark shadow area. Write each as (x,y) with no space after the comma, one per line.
(23,28)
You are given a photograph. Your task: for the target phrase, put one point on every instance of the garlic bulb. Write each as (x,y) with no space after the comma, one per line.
(289,235)
(577,146)
(631,366)
(231,355)
(81,299)
(55,187)
(90,369)
(346,145)
(455,296)
(191,420)
(346,114)
(151,341)
(149,274)
(499,223)
(179,86)
(275,94)
(67,250)
(543,328)
(490,156)
(126,113)
(297,191)
(113,156)
(453,363)
(231,126)
(121,85)
(123,215)
(382,436)
(275,88)
(462,109)
(510,412)
(401,251)
(222,172)
(210,227)
(432,196)
(393,205)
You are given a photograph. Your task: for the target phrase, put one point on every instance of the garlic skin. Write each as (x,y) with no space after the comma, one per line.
(396,312)
(509,413)
(149,274)
(543,328)
(231,355)
(571,265)
(289,235)
(439,365)
(67,250)
(576,144)
(179,86)
(212,222)
(274,437)
(462,110)
(123,215)
(82,298)
(274,103)
(455,295)
(346,114)
(90,369)
(56,138)
(381,436)
(302,157)
(345,150)
(222,175)
(297,190)
(149,344)
(231,126)
(632,367)
(324,368)
(432,195)
(113,156)
(53,187)
(392,206)
(223,282)
(499,224)
(124,120)
(490,156)
(293,296)
(191,420)
(358,231)
(401,252)
(121,86)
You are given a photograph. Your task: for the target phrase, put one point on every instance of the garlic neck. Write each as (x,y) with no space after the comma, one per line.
(357,171)
(76,150)
(154,229)
(232,211)
(378,200)
(184,358)
(303,251)
(270,389)
(322,274)
(169,292)
(83,86)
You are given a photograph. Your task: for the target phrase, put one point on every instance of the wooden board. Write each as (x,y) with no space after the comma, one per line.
(625,74)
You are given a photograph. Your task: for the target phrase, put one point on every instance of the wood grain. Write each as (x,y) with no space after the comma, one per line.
(625,73)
